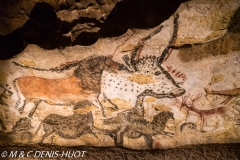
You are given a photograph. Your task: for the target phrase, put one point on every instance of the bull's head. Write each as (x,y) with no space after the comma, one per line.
(164,85)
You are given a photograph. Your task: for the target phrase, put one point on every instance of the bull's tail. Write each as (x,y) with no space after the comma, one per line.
(20,109)
(60,68)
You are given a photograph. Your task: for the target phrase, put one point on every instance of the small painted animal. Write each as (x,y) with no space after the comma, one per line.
(203,114)
(70,127)
(137,126)
(189,125)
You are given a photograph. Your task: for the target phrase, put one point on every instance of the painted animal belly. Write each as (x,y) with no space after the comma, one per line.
(52,89)
(117,86)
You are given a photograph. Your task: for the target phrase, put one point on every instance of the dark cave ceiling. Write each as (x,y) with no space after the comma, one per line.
(61,23)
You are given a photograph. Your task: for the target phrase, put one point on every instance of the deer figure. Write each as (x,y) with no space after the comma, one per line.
(203,114)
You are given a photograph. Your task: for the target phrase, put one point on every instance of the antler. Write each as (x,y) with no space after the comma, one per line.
(194,99)
(165,52)
(182,102)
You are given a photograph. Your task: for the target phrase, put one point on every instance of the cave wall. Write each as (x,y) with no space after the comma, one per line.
(110,73)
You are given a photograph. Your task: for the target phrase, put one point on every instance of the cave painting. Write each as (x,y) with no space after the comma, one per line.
(230,93)
(121,104)
(187,103)
(92,73)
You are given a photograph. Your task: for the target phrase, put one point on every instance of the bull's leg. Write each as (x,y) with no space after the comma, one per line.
(115,107)
(18,107)
(89,130)
(48,131)
(36,103)
(19,100)
(102,97)
(139,109)
(99,99)
(119,137)
(202,123)
(148,140)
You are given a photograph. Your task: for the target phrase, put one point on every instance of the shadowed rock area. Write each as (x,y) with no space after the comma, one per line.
(219,47)
(68,22)
(199,152)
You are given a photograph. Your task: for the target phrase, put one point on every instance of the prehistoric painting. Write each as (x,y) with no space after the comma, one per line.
(171,85)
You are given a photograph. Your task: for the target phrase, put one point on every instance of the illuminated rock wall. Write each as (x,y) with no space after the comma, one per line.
(172,84)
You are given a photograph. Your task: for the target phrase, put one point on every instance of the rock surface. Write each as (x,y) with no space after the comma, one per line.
(200,152)
(95,75)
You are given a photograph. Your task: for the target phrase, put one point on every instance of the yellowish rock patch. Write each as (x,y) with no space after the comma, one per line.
(27,62)
(85,110)
(161,107)
(150,99)
(141,78)
(3,77)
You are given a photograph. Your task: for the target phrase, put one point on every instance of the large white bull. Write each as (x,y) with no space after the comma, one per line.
(147,78)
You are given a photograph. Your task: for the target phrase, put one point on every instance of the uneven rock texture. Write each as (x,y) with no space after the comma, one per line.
(134,74)
(60,23)
(200,152)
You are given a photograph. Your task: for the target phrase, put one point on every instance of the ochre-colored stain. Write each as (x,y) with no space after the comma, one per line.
(51,89)
(141,78)
(190,40)
(150,99)
(228,92)
(50,102)
(27,62)
(216,79)
(161,107)
(220,47)
(127,48)
(31,71)
(158,145)
(215,34)
(3,77)
(85,110)
(120,103)
(146,111)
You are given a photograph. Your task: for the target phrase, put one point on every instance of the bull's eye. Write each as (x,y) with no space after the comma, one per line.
(157,73)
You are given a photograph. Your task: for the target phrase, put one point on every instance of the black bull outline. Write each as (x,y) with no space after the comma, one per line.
(94,66)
